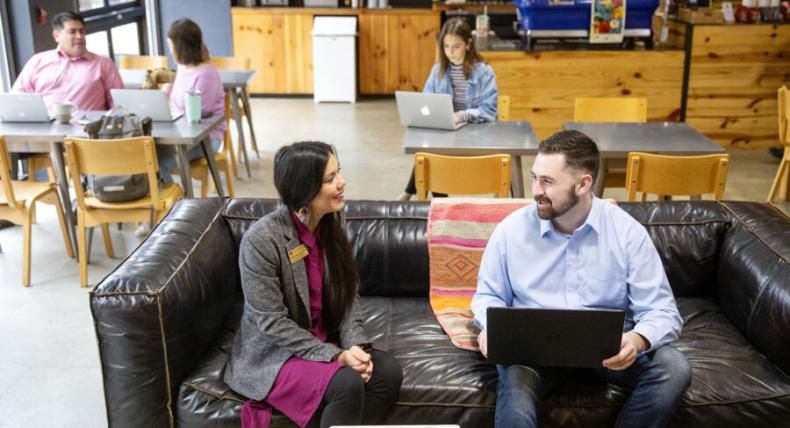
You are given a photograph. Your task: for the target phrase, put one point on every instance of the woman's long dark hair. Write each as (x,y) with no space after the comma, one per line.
(460,28)
(298,176)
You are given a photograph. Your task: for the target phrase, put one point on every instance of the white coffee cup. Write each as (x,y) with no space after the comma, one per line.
(62,111)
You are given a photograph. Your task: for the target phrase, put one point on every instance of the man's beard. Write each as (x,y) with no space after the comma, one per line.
(552,211)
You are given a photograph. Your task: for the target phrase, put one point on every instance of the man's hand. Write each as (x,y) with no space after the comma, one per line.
(358,360)
(456,118)
(631,344)
(482,341)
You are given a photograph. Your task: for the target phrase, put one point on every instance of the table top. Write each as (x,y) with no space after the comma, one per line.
(134,78)
(672,138)
(35,136)
(513,138)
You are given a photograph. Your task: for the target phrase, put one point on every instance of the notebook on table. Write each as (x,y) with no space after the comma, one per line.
(145,102)
(426,110)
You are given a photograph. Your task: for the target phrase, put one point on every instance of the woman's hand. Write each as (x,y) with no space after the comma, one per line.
(167,88)
(358,360)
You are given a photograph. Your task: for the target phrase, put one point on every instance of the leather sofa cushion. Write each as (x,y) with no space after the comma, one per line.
(443,384)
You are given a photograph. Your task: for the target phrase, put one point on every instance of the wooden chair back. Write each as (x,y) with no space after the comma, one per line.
(676,175)
(784,116)
(5,174)
(503,108)
(126,62)
(230,62)
(625,109)
(112,157)
(466,175)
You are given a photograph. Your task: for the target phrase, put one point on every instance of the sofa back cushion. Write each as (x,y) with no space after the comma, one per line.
(688,237)
(387,238)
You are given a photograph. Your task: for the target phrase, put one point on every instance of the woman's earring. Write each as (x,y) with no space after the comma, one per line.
(304,215)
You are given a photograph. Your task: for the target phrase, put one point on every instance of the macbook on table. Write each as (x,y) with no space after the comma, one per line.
(553,337)
(145,102)
(17,107)
(426,110)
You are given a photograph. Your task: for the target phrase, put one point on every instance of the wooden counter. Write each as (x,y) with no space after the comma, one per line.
(734,73)
(543,85)
(397,47)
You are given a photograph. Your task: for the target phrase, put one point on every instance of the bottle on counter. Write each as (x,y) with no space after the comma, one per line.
(742,12)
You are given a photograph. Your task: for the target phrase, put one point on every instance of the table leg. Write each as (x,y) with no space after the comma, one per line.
(600,180)
(236,112)
(245,100)
(517,178)
(59,165)
(212,166)
(183,167)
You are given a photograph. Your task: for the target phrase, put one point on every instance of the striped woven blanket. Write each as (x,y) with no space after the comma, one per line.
(458,231)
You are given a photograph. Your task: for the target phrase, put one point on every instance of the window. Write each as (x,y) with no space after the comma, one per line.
(114,27)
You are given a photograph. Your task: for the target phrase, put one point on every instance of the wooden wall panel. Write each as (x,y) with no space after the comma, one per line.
(735,72)
(397,50)
(396,47)
(543,85)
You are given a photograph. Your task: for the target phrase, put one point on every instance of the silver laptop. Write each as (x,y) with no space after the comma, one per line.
(145,102)
(425,110)
(24,108)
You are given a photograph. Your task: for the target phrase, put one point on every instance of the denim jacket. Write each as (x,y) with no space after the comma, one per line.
(481,91)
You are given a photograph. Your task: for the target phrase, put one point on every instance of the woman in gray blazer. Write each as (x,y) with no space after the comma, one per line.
(301,345)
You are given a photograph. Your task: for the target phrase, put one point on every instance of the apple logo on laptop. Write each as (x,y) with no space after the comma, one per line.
(425,111)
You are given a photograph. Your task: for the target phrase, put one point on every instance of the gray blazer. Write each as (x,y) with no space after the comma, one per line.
(276,318)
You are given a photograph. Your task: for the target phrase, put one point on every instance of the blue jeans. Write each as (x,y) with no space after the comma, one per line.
(658,381)
(167,158)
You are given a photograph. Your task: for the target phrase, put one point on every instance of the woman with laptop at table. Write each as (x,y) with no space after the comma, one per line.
(194,73)
(301,344)
(463,73)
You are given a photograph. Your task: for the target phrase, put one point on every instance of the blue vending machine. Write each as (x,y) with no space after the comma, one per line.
(570,19)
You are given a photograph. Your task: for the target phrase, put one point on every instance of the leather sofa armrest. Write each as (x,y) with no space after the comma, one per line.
(753,286)
(159,310)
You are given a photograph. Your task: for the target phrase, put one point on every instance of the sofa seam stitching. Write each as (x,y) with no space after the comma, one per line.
(167,366)
(752,232)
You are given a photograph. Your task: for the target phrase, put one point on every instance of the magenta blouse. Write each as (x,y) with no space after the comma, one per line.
(300,385)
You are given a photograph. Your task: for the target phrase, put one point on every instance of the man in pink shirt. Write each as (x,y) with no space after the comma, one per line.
(70,72)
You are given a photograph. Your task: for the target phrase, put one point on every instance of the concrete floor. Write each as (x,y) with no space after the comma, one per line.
(49,366)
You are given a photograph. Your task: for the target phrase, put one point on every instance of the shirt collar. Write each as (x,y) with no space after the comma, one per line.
(308,238)
(87,55)
(593,219)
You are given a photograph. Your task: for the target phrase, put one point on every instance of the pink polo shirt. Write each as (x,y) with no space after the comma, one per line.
(85,81)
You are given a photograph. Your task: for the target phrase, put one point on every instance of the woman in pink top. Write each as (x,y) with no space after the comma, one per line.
(194,73)
(301,345)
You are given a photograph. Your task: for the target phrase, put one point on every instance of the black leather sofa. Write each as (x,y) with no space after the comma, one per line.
(166,316)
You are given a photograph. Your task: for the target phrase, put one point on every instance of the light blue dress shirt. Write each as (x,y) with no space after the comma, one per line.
(481,91)
(609,262)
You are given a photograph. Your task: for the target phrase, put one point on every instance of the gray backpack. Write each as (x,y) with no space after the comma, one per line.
(118,188)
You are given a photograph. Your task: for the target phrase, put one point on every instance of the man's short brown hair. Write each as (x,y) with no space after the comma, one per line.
(581,152)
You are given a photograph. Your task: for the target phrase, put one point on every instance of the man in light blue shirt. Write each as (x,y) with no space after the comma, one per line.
(572,250)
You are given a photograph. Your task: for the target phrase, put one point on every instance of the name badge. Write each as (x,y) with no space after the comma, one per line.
(297,254)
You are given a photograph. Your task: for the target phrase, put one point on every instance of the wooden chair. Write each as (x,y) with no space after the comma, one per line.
(236,63)
(198,168)
(115,157)
(624,109)
(503,108)
(466,175)
(17,205)
(676,175)
(126,62)
(781,182)
(630,109)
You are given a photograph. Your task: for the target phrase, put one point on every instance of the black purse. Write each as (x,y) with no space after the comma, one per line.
(118,188)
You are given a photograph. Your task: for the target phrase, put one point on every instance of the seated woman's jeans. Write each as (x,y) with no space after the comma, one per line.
(168,162)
